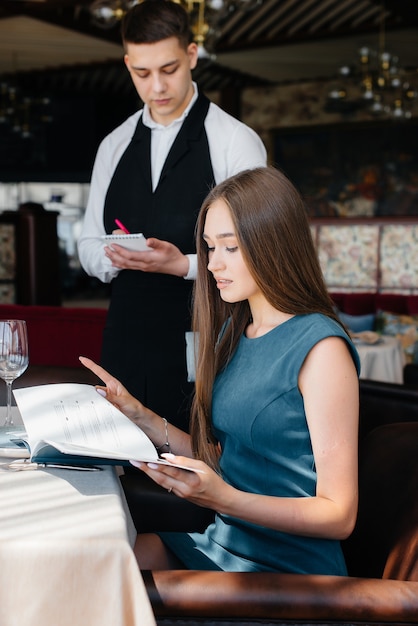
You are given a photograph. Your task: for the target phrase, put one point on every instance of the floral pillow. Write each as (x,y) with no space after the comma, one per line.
(405,328)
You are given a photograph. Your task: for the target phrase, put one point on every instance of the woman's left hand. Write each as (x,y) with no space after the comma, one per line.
(204,487)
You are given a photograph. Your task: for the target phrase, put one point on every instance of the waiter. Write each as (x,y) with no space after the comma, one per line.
(152,173)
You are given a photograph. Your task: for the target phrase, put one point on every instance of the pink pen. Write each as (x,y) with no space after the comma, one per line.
(122,227)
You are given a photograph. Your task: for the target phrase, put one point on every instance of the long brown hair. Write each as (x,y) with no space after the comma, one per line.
(273,234)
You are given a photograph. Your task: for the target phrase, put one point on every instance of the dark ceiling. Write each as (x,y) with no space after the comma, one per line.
(252,24)
(260,42)
(52,53)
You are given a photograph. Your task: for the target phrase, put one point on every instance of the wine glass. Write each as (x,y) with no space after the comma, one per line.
(14,357)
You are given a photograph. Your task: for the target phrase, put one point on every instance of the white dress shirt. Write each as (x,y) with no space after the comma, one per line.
(233,147)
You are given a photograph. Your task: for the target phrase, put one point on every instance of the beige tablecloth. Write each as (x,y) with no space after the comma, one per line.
(382,361)
(65,551)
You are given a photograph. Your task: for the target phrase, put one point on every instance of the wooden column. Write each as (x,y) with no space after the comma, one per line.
(37,275)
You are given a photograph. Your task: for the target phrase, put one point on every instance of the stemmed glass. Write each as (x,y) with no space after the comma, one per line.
(14,357)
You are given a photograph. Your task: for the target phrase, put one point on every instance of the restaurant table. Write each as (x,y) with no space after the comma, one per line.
(66,554)
(382,361)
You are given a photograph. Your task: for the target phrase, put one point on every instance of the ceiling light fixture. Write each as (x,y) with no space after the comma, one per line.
(21,113)
(107,13)
(206,17)
(383,86)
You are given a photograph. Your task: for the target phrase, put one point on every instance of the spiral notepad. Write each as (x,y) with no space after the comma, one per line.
(134,241)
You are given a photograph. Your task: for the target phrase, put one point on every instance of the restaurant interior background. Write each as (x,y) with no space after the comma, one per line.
(341,123)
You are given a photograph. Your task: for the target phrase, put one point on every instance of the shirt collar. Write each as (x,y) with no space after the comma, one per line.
(148,121)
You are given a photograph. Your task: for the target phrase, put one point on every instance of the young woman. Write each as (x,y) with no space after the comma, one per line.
(275,413)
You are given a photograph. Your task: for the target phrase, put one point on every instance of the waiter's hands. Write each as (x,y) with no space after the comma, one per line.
(164,258)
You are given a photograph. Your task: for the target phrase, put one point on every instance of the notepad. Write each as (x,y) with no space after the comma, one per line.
(133,241)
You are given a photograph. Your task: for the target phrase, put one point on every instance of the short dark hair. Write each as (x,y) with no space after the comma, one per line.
(154,20)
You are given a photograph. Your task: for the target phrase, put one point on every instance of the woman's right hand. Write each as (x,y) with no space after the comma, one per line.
(147,420)
(116,393)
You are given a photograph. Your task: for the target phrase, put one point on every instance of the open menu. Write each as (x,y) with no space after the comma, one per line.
(72,423)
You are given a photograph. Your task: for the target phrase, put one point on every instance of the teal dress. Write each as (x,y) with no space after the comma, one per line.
(259,420)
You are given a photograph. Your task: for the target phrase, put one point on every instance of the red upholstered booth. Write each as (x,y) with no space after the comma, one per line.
(58,335)
(364,303)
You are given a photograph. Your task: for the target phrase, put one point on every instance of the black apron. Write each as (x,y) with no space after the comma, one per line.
(144,337)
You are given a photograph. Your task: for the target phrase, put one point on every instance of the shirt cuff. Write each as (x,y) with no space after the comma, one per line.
(192,273)
(110,272)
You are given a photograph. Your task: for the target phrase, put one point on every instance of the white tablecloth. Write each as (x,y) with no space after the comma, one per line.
(65,551)
(382,361)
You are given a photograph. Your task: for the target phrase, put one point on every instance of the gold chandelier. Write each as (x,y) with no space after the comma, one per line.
(383,86)
(205,16)
(22,113)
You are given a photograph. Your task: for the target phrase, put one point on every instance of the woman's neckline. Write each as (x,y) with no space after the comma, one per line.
(286,318)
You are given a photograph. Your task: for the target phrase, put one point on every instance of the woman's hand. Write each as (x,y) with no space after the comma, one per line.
(116,393)
(151,423)
(203,487)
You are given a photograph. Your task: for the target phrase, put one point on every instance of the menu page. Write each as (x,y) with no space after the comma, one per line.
(75,417)
(73,420)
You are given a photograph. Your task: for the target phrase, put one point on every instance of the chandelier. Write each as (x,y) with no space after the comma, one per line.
(22,113)
(382,86)
(206,17)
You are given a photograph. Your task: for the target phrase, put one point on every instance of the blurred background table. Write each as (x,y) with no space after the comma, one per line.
(382,361)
